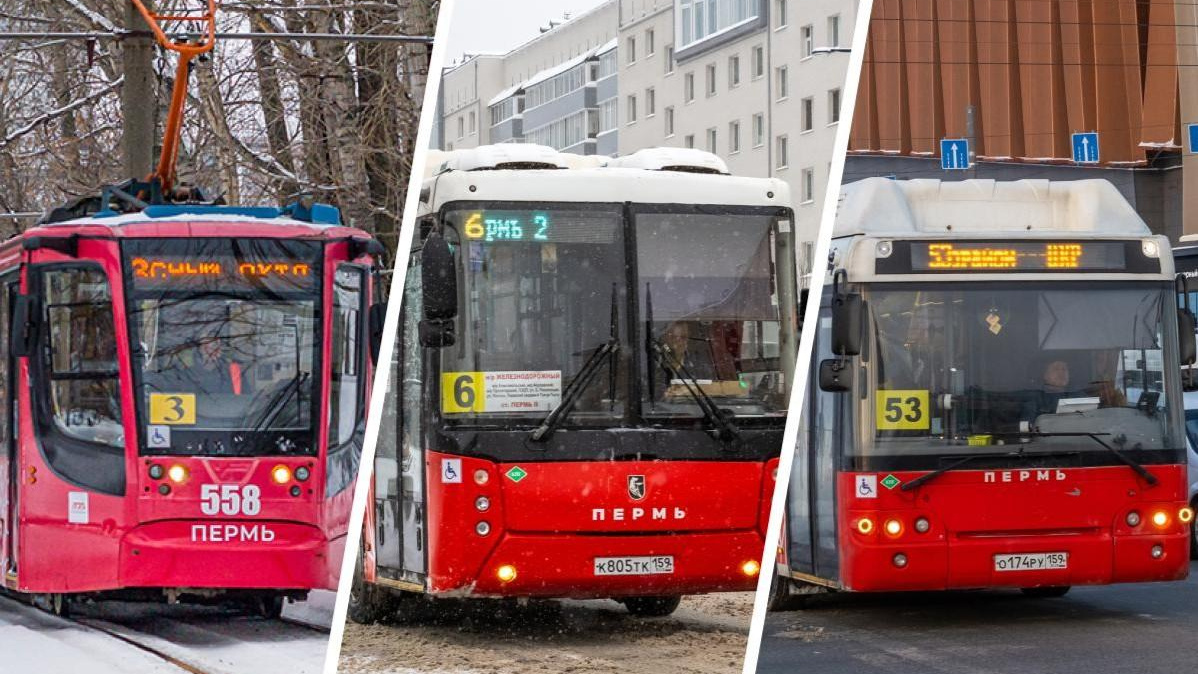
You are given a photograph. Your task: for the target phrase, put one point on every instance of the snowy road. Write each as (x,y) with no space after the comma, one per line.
(707,635)
(200,639)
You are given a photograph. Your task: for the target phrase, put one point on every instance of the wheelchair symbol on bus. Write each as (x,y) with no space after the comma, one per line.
(867,486)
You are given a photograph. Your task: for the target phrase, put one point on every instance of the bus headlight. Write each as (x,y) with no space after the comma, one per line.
(922,525)
(1160,518)
(280,474)
(900,560)
(177,473)
(1133,519)
(865,526)
(893,528)
(482,504)
(1185,515)
(1150,248)
(1158,551)
(506,573)
(482,528)
(750,568)
(481,476)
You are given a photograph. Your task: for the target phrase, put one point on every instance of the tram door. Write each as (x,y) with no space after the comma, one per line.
(811,511)
(399,467)
(9,469)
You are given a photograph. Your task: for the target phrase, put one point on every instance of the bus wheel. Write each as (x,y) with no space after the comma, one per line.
(651,607)
(269,606)
(1193,535)
(368,603)
(1046,592)
(780,596)
(55,604)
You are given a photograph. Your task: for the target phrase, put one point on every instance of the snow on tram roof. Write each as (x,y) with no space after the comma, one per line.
(318,217)
(881,206)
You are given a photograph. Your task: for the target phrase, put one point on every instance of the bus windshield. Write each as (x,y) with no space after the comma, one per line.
(708,297)
(1045,367)
(224,349)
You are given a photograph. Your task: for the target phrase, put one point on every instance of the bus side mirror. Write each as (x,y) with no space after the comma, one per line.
(848,323)
(26,312)
(438,274)
(377,318)
(834,375)
(1187,347)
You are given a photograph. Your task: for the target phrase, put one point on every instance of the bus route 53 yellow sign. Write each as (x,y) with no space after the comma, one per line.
(903,410)
(173,408)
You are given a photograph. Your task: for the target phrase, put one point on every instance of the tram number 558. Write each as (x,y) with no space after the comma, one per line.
(902,410)
(230,499)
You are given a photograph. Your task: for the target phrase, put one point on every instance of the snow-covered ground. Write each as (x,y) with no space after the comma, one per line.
(211,640)
(317,611)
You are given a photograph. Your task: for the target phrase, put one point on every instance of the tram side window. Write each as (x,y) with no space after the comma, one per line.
(345,385)
(84,390)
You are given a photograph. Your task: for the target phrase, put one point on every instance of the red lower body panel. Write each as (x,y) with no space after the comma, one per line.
(227,555)
(564,566)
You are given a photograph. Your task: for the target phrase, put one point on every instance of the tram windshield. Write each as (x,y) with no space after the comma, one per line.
(224,345)
(546,303)
(1049,368)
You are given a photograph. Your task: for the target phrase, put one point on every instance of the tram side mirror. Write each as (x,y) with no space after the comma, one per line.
(439,278)
(1187,346)
(848,324)
(25,314)
(834,375)
(377,318)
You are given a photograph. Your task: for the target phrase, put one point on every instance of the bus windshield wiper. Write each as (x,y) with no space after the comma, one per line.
(1124,458)
(590,368)
(928,477)
(677,371)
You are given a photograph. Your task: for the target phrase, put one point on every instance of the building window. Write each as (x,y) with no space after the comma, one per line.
(608,65)
(734,136)
(701,19)
(555,87)
(632,109)
(711,140)
(807,186)
(688,87)
(559,135)
(780,7)
(782,158)
(649,40)
(670,59)
(733,70)
(669,121)
(758,130)
(689,140)
(711,79)
(807,114)
(461,127)
(833,106)
(609,115)
(650,102)
(503,111)
(758,61)
(631,47)
(834,31)
(473,122)
(783,83)
(807,40)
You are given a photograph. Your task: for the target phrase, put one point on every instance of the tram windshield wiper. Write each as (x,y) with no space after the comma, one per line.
(276,405)
(606,350)
(1124,458)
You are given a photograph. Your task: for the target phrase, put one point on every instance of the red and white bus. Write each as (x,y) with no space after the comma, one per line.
(592,375)
(182,402)
(995,397)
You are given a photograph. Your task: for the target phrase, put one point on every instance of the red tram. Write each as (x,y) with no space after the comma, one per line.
(183,402)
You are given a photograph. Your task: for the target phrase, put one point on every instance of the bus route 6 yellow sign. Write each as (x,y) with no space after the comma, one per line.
(903,410)
(177,409)
(462,392)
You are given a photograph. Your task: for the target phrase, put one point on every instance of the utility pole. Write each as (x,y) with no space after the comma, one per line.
(139,96)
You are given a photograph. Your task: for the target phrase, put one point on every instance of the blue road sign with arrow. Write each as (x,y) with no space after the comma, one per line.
(1085,148)
(954,154)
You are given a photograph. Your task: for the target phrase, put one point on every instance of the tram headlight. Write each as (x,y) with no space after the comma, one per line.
(750,568)
(922,525)
(865,526)
(156,471)
(280,474)
(506,573)
(1185,515)
(302,473)
(1160,519)
(893,528)
(482,528)
(1133,519)
(164,489)
(482,504)
(177,473)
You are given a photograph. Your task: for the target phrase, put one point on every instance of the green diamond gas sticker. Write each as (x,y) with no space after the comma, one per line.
(890,482)
(516,473)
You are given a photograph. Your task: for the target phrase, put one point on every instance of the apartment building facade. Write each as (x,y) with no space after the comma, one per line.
(757,82)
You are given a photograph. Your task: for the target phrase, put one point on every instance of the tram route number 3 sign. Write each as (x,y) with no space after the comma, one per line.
(173,408)
(903,410)
(499,392)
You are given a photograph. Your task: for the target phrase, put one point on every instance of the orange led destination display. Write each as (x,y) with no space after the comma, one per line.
(984,256)
(149,268)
